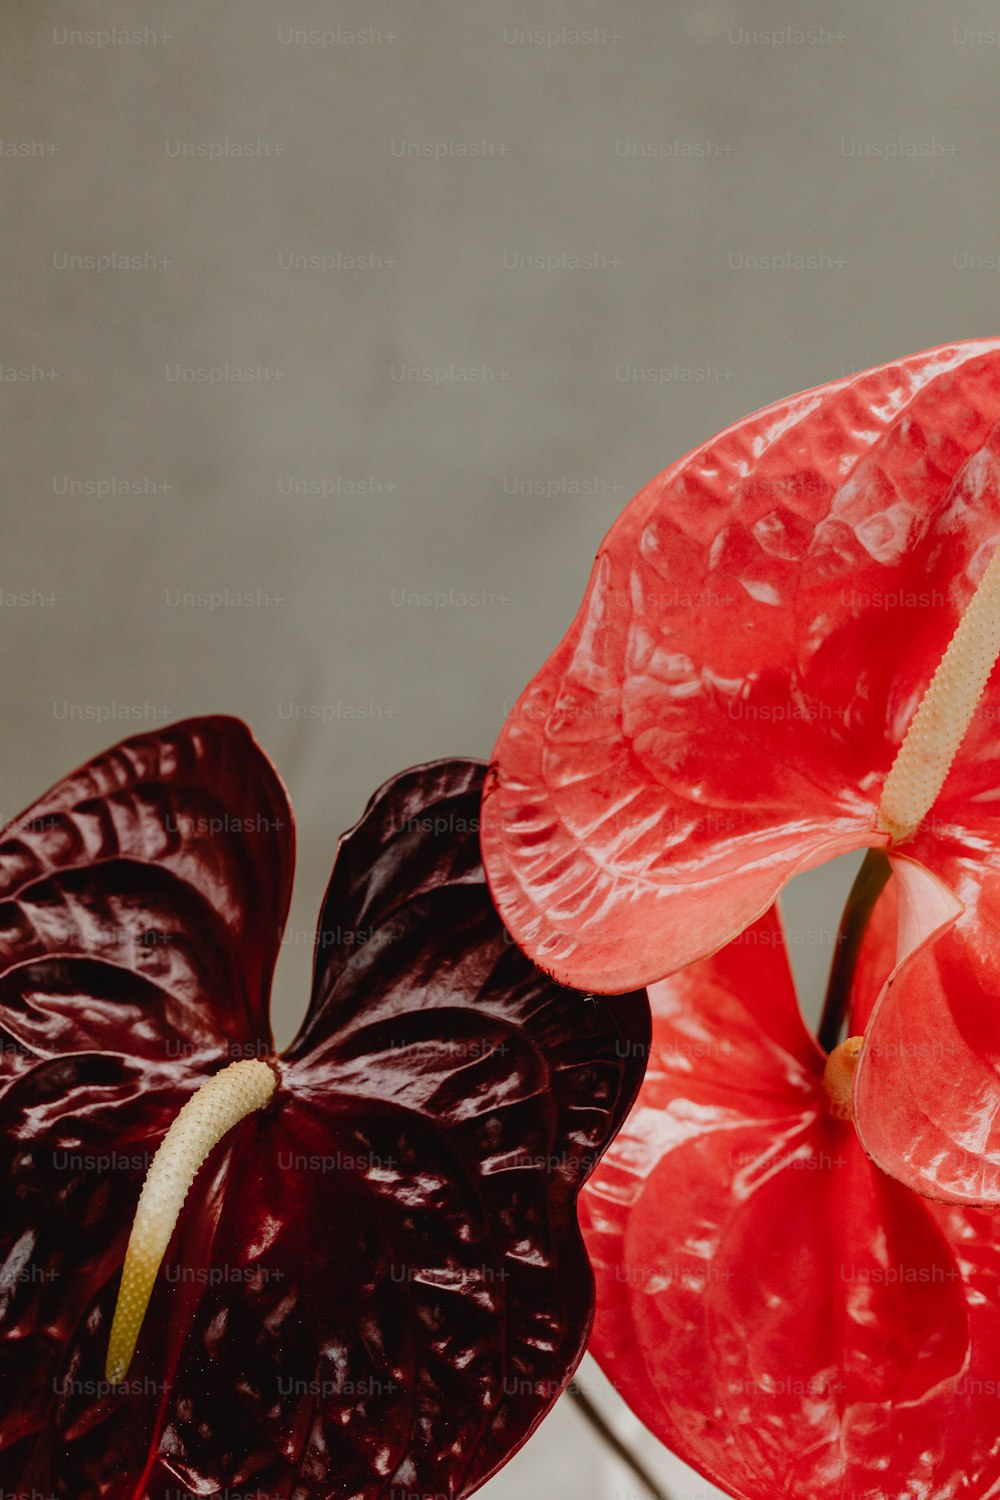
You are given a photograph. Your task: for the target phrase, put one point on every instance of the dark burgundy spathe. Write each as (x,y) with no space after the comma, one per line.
(377,1286)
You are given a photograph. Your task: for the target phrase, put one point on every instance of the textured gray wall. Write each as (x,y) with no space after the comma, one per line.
(443,154)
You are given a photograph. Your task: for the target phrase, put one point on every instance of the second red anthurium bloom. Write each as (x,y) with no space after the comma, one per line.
(762,625)
(783,1315)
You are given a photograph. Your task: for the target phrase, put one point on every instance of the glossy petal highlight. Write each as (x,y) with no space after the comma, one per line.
(759,628)
(377,1281)
(780,1313)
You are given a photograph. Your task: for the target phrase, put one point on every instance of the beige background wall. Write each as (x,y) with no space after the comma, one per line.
(444,153)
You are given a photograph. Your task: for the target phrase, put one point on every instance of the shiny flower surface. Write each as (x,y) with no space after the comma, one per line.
(782,1314)
(760,627)
(377,1285)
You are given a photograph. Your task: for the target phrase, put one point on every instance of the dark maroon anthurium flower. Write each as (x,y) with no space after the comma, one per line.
(376,1286)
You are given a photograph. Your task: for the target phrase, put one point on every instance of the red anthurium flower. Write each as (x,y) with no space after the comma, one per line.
(782,1314)
(745,672)
(376,1286)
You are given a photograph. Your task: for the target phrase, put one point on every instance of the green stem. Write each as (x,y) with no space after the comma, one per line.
(868,886)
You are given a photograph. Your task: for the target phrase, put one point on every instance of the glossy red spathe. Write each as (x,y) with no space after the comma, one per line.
(784,1316)
(759,628)
(377,1284)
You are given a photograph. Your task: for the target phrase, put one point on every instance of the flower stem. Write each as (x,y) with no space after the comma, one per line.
(610,1438)
(868,886)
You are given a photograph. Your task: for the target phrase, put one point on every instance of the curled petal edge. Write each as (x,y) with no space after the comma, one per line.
(927,910)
